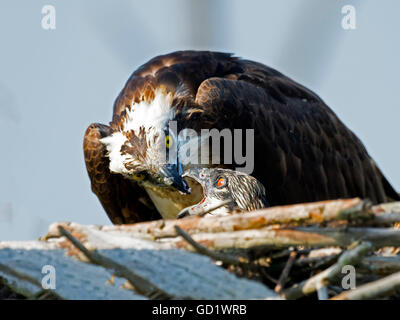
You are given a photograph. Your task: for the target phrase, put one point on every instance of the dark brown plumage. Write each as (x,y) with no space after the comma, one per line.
(303,152)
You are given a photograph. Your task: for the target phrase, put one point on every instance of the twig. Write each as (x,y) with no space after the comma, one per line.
(384,219)
(372,290)
(380,265)
(389,207)
(204,212)
(323,278)
(205,251)
(280,254)
(28,278)
(141,285)
(379,237)
(285,273)
(317,260)
(184,213)
(20,275)
(46,295)
(266,275)
(224,258)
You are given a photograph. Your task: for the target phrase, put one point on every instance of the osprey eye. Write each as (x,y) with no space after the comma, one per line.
(138,176)
(221,182)
(168,141)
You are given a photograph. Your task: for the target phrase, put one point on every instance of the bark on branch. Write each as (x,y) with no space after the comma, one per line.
(293,215)
(283,238)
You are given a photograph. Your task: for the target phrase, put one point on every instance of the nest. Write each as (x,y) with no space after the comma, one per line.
(339,249)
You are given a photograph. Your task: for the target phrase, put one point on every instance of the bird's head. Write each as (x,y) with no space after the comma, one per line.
(215,181)
(225,192)
(143,148)
(218,197)
(143,157)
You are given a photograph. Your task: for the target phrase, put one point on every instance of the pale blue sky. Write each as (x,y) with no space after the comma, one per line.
(53,84)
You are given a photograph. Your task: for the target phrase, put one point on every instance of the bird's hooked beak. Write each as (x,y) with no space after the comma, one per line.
(172,174)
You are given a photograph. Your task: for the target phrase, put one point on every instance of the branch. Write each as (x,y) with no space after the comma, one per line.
(327,276)
(284,238)
(380,265)
(285,272)
(205,251)
(372,290)
(224,258)
(202,212)
(293,215)
(19,275)
(385,219)
(28,278)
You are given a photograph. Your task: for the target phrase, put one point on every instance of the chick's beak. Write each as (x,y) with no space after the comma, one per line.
(192,173)
(172,174)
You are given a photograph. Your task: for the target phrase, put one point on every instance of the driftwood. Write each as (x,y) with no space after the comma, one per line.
(290,243)
(109,261)
(283,238)
(140,284)
(272,237)
(293,215)
(74,279)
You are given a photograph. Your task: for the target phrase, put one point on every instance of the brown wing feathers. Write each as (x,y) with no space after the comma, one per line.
(303,151)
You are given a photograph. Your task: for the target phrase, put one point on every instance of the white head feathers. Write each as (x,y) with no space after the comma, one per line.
(152,117)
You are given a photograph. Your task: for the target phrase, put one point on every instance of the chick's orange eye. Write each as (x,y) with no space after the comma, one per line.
(168,141)
(221,182)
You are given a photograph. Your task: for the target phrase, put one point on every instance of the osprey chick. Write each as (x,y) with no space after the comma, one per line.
(240,190)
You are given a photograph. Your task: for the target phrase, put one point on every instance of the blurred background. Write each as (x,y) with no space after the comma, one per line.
(54,83)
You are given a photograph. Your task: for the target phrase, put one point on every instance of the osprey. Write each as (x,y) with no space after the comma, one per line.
(240,191)
(302,151)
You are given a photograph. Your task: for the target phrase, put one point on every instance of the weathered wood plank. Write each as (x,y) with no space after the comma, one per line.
(177,272)
(74,279)
(151,252)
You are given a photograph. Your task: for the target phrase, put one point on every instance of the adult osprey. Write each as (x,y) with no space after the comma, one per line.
(303,152)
